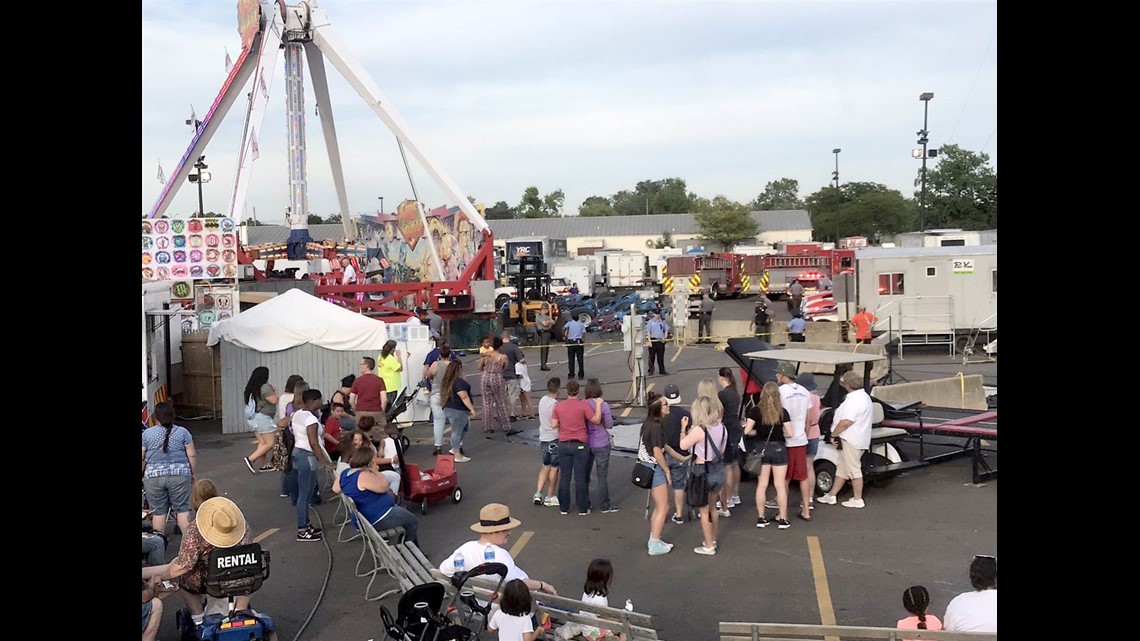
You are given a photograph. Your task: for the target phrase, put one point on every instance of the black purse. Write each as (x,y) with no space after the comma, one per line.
(754,460)
(697,485)
(643,475)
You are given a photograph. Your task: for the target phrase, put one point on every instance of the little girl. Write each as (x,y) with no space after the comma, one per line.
(524,390)
(596,591)
(916,600)
(512,620)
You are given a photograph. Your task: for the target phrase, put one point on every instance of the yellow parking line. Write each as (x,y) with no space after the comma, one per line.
(678,352)
(626,411)
(822,592)
(521,543)
(266,534)
(647,389)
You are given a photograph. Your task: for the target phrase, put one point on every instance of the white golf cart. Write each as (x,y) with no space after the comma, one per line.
(883,461)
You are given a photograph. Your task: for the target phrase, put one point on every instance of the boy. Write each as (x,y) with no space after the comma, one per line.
(524,390)
(548,445)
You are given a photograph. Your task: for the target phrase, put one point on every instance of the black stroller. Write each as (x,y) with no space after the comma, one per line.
(422,616)
(398,406)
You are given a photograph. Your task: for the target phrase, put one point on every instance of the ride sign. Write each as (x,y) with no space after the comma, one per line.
(409,223)
(193,248)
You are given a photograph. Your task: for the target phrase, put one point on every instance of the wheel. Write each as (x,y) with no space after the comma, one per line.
(423,505)
(503,298)
(271,636)
(405,442)
(715,294)
(584,318)
(457,494)
(824,476)
(962,343)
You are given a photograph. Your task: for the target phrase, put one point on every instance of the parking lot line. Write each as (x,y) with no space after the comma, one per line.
(520,544)
(265,535)
(677,353)
(822,592)
(626,411)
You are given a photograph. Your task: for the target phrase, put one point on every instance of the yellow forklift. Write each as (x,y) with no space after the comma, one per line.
(532,290)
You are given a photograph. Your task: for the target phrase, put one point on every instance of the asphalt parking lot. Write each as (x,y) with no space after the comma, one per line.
(846,566)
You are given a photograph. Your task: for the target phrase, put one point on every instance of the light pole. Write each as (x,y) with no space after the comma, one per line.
(381,204)
(200,177)
(835,174)
(923,138)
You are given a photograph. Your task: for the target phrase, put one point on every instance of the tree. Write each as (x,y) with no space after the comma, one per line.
(728,222)
(552,202)
(779,195)
(666,196)
(315,220)
(500,211)
(858,209)
(333,219)
(666,240)
(961,190)
(596,206)
(534,206)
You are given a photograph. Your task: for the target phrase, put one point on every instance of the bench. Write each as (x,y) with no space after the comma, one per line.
(637,626)
(401,560)
(731,631)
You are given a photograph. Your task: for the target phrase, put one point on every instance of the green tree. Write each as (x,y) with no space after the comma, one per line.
(666,196)
(596,206)
(666,240)
(779,194)
(961,190)
(534,206)
(500,211)
(333,219)
(630,203)
(552,202)
(727,222)
(315,220)
(858,209)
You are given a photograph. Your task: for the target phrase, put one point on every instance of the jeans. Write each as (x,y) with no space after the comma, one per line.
(573,462)
(305,467)
(400,517)
(154,549)
(600,458)
(438,418)
(460,421)
(576,351)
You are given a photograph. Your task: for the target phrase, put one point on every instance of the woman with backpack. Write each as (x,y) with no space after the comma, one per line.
(707,439)
(260,407)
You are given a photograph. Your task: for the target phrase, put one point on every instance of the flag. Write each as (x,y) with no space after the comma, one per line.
(229,61)
(161,174)
(253,144)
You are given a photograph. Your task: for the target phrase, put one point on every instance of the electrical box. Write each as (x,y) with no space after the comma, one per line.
(483,291)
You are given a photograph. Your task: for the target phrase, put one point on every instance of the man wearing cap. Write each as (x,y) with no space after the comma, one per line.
(862,322)
(797,401)
(219,524)
(575,332)
(796,327)
(704,323)
(511,380)
(494,528)
(676,457)
(656,331)
(852,424)
(433,320)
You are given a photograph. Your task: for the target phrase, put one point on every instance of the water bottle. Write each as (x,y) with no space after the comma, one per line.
(458,561)
(629,605)
(488,554)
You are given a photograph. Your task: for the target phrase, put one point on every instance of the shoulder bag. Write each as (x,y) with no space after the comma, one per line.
(643,475)
(697,485)
(754,460)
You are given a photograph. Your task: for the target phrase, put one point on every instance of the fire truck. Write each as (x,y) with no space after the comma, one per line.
(809,262)
(723,275)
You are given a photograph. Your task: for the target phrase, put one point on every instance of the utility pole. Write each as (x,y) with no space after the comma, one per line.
(923,138)
(835,174)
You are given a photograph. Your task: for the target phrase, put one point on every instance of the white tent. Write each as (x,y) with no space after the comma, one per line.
(296,318)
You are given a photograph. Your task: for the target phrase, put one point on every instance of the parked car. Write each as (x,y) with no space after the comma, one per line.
(820,306)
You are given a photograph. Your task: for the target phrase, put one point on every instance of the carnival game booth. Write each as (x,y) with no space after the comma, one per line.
(297,333)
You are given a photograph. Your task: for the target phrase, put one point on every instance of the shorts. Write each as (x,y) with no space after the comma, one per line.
(512,389)
(549,450)
(775,454)
(679,470)
(714,472)
(658,476)
(168,494)
(812,447)
(147,608)
(262,423)
(797,463)
(850,462)
(732,452)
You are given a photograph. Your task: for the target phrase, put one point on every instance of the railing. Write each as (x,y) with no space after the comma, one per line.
(730,631)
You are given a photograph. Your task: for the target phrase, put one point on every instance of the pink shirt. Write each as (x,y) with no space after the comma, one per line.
(911,623)
(813,417)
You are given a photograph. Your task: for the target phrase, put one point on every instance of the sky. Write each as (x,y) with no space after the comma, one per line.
(589,97)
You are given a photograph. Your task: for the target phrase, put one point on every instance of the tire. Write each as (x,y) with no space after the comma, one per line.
(824,476)
(963,342)
(715,293)
(584,318)
(405,443)
(423,505)
(457,494)
(271,636)
(500,300)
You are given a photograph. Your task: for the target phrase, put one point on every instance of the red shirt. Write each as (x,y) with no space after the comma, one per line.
(572,415)
(368,388)
(862,322)
(333,431)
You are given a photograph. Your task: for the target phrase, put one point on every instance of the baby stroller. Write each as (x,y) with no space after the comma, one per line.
(398,407)
(421,615)
(232,572)
(429,485)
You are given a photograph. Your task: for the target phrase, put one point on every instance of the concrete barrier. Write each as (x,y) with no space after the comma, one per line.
(816,332)
(959,392)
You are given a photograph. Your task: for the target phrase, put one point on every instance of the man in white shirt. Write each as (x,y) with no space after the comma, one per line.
(852,424)
(797,400)
(548,445)
(494,528)
(975,611)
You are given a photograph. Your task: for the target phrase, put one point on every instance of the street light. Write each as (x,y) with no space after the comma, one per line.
(200,177)
(923,138)
(835,174)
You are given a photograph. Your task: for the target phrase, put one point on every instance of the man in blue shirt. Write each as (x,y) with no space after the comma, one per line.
(656,331)
(575,333)
(796,327)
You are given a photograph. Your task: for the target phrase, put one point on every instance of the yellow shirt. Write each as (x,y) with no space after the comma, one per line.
(388,368)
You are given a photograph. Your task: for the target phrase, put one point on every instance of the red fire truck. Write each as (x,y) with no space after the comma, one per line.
(808,262)
(722,274)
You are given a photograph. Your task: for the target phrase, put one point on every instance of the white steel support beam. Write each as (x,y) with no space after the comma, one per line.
(328,128)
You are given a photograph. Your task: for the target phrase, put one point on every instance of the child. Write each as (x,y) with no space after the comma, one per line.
(596,591)
(916,600)
(513,620)
(548,445)
(524,390)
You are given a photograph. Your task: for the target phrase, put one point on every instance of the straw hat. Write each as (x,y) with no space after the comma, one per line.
(221,522)
(495,517)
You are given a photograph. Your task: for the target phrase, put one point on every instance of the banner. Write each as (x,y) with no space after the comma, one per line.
(190,248)
(213,304)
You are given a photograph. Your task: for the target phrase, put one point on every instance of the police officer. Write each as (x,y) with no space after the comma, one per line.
(656,331)
(544,323)
(761,319)
(704,326)
(575,332)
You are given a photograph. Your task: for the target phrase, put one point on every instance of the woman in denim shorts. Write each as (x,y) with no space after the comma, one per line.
(262,423)
(168,468)
(707,439)
(651,452)
(766,430)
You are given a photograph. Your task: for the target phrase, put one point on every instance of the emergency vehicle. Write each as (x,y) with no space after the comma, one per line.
(722,274)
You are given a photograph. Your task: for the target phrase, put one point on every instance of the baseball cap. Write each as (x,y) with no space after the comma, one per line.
(787,369)
(672,394)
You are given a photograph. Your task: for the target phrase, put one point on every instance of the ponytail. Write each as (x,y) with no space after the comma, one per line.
(916,600)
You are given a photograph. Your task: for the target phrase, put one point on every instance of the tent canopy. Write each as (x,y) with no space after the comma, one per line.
(295,318)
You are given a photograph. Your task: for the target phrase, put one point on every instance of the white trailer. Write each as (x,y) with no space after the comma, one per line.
(623,270)
(576,271)
(930,295)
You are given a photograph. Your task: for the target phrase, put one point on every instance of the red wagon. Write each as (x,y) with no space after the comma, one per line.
(430,485)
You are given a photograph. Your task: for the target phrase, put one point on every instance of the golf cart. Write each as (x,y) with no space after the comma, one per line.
(883,461)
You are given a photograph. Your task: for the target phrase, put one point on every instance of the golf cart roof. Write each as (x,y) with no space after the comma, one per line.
(823,356)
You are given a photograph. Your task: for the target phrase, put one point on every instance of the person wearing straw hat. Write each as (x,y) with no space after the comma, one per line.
(219,524)
(494,528)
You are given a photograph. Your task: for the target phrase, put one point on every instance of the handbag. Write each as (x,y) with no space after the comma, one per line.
(754,460)
(697,485)
(281,455)
(643,475)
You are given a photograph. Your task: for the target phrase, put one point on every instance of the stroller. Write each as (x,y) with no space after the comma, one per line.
(398,407)
(421,615)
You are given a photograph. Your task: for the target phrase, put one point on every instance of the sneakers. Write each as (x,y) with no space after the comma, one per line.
(705,550)
(438,450)
(657,548)
(249,464)
(309,535)
(284,496)
(611,509)
(733,501)
(586,513)
(718,505)
(266,468)
(771,504)
(763,522)
(724,514)
(538,498)
(827,499)
(783,524)
(459,458)
(550,501)
(858,503)
(811,506)
(677,519)
(513,418)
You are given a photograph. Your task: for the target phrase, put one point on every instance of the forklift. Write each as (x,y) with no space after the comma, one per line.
(532,289)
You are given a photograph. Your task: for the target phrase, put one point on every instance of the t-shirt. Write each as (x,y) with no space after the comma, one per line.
(862,322)
(282,402)
(545,412)
(572,415)
(672,429)
(440,371)
(797,401)
(652,435)
(730,399)
(510,627)
(514,355)
(813,416)
(349,275)
(301,421)
(473,554)
(524,376)
(718,437)
(388,368)
(368,388)
(974,611)
(911,623)
(333,429)
(756,442)
(173,462)
(796,326)
(856,408)
(598,434)
(263,405)
(435,322)
(460,385)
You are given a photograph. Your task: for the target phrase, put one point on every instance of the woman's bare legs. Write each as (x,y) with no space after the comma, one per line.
(762,488)
(778,473)
(264,445)
(660,511)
